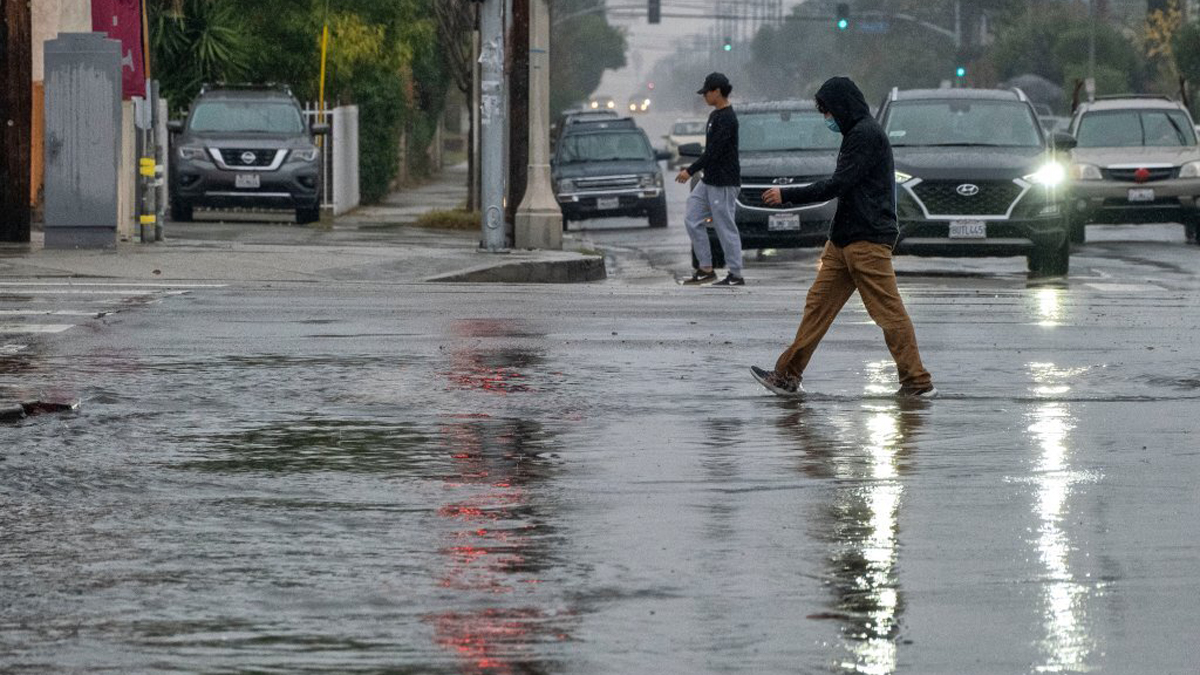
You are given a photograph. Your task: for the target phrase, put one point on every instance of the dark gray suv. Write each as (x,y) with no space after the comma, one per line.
(245,147)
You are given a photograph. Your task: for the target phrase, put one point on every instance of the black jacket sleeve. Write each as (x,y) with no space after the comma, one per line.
(854,159)
(719,144)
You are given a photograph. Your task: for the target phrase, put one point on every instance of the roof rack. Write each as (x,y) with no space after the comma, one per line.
(1111,97)
(246,86)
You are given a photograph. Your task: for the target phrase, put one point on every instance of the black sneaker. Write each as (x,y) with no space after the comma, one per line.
(913,392)
(731,280)
(780,385)
(701,277)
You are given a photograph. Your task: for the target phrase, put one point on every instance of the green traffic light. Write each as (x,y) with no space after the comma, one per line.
(843,24)
(728,47)
(961,72)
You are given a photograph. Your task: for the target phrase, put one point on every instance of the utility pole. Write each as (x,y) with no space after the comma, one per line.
(539,220)
(493,114)
(16,102)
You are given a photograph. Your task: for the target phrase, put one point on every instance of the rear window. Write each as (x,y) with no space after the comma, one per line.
(959,122)
(268,117)
(785,130)
(1135,129)
(688,128)
(604,147)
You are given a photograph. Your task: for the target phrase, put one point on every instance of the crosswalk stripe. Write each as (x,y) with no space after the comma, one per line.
(10,349)
(18,328)
(49,312)
(84,291)
(107,284)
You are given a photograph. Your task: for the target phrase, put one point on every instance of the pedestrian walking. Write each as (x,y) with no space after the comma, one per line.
(858,255)
(714,196)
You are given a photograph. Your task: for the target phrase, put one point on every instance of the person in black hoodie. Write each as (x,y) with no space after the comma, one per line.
(858,255)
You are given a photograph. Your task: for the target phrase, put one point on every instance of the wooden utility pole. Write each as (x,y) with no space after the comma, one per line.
(16,103)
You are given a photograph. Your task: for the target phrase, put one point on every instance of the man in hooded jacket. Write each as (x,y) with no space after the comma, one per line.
(858,255)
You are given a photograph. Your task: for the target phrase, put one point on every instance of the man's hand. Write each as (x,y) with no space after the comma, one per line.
(772,197)
(683,176)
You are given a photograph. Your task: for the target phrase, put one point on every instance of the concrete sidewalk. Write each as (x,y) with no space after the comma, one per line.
(373,243)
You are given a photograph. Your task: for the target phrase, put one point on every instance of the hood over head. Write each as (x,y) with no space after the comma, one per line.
(843,99)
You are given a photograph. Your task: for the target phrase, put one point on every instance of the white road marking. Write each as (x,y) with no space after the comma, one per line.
(108,285)
(140,292)
(18,328)
(1125,288)
(9,350)
(49,312)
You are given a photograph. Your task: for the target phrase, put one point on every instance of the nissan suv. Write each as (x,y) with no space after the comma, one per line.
(976,176)
(607,168)
(245,147)
(1137,162)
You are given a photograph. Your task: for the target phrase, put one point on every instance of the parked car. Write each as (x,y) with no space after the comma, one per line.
(639,104)
(977,176)
(1137,162)
(580,116)
(599,102)
(606,169)
(245,147)
(684,131)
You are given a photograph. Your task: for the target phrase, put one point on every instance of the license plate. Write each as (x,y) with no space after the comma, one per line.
(608,203)
(247,180)
(1141,195)
(782,222)
(968,229)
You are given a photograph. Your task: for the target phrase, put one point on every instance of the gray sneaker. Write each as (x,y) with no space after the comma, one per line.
(780,385)
(913,392)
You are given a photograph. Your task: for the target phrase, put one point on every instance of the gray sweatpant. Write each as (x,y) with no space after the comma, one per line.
(716,202)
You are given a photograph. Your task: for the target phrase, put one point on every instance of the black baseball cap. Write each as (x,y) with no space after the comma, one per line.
(714,81)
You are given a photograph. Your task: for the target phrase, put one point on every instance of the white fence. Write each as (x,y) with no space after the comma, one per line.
(339,158)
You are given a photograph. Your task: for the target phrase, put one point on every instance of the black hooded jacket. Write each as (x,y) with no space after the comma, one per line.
(865,179)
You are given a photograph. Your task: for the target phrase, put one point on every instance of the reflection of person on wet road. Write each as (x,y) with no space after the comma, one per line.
(713,197)
(858,255)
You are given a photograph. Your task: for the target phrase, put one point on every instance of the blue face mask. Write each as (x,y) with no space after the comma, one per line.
(833,125)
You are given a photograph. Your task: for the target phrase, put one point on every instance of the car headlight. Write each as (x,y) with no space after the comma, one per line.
(1051,174)
(192,153)
(650,180)
(306,155)
(1190,170)
(566,185)
(902,177)
(1080,171)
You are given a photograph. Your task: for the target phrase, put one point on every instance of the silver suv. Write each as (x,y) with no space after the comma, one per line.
(245,147)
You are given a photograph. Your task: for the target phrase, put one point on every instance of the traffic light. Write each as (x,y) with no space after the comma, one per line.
(728,44)
(654,11)
(842,16)
(960,72)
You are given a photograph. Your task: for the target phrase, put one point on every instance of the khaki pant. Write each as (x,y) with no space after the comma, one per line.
(865,267)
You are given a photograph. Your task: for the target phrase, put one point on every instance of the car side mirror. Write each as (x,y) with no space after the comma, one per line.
(691,150)
(1061,140)
(661,155)
(175,126)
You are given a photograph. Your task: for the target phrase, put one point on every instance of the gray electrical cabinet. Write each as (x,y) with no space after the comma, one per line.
(83,140)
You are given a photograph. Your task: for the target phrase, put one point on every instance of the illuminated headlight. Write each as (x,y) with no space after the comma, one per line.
(309,155)
(633,107)
(1190,170)
(1050,175)
(595,104)
(566,185)
(902,177)
(611,104)
(1086,172)
(191,153)
(650,180)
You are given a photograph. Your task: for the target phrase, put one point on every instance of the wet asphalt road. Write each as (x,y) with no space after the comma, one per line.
(375,478)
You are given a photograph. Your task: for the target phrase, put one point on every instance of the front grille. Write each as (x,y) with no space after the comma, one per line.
(1127,175)
(752,196)
(235,158)
(941,198)
(606,183)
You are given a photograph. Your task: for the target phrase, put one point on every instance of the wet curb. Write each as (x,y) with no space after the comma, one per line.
(15,411)
(569,271)
(11,411)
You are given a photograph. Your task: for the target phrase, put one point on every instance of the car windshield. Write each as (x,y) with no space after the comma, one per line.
(1135,129)
(604,147)
(688,128)
(783,130)
(268,117)
(971,123)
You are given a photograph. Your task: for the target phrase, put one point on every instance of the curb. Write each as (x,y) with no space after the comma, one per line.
(11,411)
(572,271)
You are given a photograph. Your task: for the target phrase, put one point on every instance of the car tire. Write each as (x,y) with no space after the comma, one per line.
(1077,230)
(1051,262)
(565,221)
(718,254)
(308,214)
(658,214)
(181,211)
(1192,229)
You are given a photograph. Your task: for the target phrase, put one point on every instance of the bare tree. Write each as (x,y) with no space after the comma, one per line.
(456,22)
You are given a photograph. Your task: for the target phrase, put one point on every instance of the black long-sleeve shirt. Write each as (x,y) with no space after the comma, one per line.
(720,159)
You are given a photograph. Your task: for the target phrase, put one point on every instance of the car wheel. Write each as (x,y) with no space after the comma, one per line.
(658,214)
(1192,228)
(308,215)
(1050,262)
(1077,230)
(565,221)
(181,211)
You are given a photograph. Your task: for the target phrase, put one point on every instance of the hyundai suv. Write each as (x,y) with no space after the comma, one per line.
(1137,162)
(245,147)
(977,176)
(605,169)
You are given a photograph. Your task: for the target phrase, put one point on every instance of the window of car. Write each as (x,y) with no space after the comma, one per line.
(604,147)
(271,117)
(780,131)
(962,122)
(1135,129)
(688,128)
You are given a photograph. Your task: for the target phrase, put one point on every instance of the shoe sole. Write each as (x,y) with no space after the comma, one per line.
(931,394)
(784,393)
